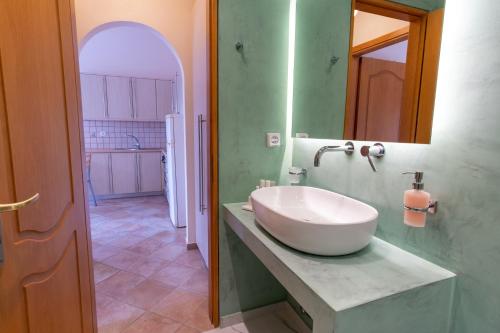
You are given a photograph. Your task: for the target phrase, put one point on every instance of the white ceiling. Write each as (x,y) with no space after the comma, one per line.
(395,52)
(129,50)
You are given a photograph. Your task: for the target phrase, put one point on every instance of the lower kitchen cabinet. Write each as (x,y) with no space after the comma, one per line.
(126,173)
(100,173)
(150,174)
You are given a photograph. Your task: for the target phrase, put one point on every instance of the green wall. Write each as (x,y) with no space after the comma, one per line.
(252,101)
(461,165)
(322,32)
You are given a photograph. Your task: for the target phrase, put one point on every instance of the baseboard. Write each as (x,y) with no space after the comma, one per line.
(192,246)
(283,310)
(128,195)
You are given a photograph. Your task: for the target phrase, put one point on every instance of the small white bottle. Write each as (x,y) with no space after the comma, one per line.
(416,202)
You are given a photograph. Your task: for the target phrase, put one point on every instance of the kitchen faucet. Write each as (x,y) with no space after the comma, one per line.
(137,144)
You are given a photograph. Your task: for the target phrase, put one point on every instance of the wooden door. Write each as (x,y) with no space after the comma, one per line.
(144,99)
(46,282)
(380,100)
(164,98)
(100,173)
(119,98)
(124,173)
(93,97)
(150,177)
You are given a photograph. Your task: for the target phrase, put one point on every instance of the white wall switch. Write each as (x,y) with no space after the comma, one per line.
(273,140)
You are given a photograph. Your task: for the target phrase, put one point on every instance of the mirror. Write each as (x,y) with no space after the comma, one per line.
(365,71)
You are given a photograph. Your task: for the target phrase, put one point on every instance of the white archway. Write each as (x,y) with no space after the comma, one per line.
(133,49)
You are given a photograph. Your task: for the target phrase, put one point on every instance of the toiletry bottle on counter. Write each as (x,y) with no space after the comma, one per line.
(416,202)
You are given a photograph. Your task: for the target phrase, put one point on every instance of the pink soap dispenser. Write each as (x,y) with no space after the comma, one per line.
(417,203)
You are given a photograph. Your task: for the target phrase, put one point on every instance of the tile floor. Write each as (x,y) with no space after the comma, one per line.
(146,279)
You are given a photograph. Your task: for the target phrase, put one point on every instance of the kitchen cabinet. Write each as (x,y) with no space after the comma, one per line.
(93,96)
(144,99)
(100,173)
(126,173)
(150,172)
(164,101)
(119,98)
(124,170)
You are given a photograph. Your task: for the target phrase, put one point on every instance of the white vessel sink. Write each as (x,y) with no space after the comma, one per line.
(313,220)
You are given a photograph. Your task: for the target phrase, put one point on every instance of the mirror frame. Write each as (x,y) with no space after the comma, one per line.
(424,45)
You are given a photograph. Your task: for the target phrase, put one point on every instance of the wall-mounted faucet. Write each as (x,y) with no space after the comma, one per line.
(137,144)
(348,149)
(377,151)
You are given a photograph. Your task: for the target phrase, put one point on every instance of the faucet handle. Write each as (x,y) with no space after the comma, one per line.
(377,151)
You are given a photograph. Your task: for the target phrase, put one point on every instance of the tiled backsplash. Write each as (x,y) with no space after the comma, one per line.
(113,134)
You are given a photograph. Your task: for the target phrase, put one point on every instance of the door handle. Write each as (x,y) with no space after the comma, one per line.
(18,205)
(201,176)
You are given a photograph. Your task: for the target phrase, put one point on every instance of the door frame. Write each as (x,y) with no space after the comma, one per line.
(424,43)
(213,183)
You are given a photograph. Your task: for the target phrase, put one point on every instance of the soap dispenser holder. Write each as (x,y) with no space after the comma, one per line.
(431,209)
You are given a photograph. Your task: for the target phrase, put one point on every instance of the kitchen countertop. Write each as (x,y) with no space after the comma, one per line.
(379,271)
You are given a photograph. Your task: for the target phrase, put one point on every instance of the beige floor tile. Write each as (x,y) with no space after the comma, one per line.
(101,252)
(174,274)
(147,246)
(148,266)
(199,318)
(153,323)
(146,294)
(169,252)
(123,259)
(114,316)
(178,305)
(198,282)
(191,258)
(186,329)
(119,285)
(102,272)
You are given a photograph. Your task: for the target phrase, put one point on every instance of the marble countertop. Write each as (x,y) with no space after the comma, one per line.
(378,271)
(123,150)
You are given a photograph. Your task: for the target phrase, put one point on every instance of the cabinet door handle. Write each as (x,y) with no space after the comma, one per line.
(18,205)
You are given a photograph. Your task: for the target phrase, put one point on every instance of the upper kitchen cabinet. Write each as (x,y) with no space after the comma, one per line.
(164,101)
(144,99)
(119,97)
(93,97)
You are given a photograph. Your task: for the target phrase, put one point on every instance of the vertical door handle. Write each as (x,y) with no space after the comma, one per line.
(201,175)
(18,205)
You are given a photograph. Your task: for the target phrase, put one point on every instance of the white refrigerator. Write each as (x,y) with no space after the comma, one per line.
(175,169)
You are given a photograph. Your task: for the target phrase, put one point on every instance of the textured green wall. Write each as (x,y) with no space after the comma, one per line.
(322,32)
(252,101)
(461,165)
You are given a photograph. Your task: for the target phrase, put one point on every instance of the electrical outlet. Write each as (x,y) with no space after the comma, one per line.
(273,140)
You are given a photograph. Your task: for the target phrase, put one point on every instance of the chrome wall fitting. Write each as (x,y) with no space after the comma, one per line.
(377,151)
(431,209)
(348,149)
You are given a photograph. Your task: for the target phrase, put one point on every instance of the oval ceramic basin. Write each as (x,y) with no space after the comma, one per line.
(313,220)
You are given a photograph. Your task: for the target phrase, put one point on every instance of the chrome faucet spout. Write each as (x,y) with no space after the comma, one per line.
(348,149)
(137,144)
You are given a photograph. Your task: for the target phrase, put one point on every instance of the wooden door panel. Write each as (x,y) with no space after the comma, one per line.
(380,100)
(55,292)
(45,280)
(35,103)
